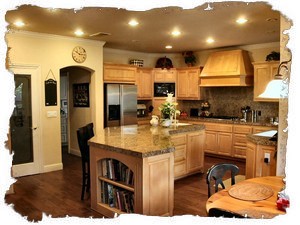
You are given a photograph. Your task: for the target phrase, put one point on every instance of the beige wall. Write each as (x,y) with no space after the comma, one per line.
(53,53)
(257,52)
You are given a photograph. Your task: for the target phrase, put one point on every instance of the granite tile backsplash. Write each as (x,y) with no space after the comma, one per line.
(227,101)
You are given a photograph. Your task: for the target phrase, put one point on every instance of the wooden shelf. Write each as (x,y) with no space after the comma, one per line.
(117,183)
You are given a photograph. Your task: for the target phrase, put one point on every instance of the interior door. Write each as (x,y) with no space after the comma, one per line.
(24,123)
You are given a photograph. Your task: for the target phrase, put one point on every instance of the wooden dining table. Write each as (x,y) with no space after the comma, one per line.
(253,198)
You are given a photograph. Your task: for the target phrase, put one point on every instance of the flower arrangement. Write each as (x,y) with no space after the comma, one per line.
(168,108)
(189,57)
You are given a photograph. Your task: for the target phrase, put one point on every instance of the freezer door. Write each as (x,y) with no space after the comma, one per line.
(112,105)
(128,100)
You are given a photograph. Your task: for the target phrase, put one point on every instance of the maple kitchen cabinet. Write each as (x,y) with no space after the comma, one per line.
(218,139)
(260,155)
(189,153)
(188,83)
(164,75)
(116,73)
(144,83)
(263,73)
(239,140)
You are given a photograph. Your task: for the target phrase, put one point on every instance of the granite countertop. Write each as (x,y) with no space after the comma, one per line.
(263,138)
(214,120)
(140,140)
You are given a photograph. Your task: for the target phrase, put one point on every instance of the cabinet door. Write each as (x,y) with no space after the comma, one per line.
(195,153)
(250,160)
(119,73)
(144,83)
(182,84)
(224,143)
(164,75)
(265,168)
(193,81)
(180,161)
(263,74)
(211,142)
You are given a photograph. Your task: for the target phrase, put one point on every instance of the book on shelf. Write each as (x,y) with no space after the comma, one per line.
(117,197)
(117,171)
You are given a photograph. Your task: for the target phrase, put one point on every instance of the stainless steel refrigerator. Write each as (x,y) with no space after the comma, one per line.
(120,104)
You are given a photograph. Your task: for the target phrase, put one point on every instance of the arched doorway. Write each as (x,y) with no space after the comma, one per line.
(75,111)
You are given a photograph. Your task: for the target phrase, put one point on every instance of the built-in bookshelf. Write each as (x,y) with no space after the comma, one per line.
(117,185)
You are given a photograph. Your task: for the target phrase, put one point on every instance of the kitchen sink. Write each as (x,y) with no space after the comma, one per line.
(183,124)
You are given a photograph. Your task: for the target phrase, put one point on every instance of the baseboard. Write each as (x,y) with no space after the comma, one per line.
(75,152)
(53,167)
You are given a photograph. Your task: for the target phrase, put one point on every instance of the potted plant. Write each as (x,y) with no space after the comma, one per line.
(189,58)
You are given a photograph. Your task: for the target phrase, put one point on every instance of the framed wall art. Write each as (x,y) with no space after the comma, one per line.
(81,96)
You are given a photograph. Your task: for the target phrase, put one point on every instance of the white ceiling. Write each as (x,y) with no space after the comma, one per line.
(155,26)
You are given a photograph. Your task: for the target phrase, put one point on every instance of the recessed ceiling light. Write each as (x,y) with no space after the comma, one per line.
(79,32)
(241,20)
(169,47)
(176,33)
(210,40)
(133,23)
(19,23)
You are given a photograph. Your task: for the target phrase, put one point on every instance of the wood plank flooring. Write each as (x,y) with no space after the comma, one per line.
(58,193)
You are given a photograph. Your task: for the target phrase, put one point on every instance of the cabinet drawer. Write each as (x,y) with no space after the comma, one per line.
(218,127)
(240,151)
(180,153)
(179,140)
(239,139)
(259,129)
(241,129)
(179,169)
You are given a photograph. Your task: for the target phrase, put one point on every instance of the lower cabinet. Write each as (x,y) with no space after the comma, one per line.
(239,140)
(218,138)
(122,183)
(256,164)
(189,153)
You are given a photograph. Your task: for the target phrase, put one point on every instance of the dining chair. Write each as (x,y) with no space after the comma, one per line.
(215,212)
(216,173)
(83,135)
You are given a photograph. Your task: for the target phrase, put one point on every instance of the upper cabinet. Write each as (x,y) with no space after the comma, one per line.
(263,73)
(144,83)
(115,73)
(188,83)
(164,75)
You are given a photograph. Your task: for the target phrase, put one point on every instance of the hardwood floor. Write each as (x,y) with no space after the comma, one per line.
(58,193)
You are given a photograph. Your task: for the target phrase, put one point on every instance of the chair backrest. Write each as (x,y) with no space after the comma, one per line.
(216,173)
(83,135)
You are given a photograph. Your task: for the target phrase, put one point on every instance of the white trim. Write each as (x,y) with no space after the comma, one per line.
(52,167)
(75,152)
(36,166)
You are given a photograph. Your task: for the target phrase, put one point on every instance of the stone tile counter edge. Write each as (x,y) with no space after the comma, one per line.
(140,140)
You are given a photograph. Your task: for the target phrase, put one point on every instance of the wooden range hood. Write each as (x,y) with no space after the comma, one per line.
(227,68)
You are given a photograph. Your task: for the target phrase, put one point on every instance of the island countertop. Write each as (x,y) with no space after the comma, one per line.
(263,138)
(140,140)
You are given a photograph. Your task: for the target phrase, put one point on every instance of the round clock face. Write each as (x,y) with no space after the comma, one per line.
(79,54)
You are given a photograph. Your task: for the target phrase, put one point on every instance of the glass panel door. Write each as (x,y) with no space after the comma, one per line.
(21,122)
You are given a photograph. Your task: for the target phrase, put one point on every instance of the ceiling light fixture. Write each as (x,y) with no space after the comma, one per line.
(133,23)
(176,33)
(241,20)
(19,23)
(210,40)
(79,32)
(277,88)
(169,47)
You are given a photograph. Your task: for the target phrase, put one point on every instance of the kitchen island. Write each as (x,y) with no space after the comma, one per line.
(132,167)
(261,154)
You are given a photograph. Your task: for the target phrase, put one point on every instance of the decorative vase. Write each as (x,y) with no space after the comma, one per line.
(154,120)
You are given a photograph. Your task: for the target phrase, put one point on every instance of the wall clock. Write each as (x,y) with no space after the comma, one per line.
(79,54)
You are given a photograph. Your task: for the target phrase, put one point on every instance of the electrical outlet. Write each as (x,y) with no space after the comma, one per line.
(267,157)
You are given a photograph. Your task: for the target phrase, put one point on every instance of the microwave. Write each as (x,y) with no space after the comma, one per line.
(163,89)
